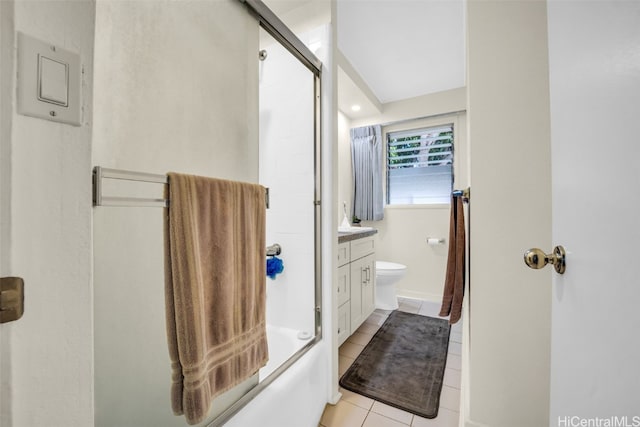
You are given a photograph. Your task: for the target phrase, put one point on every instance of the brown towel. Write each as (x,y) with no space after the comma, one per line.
(454,280)
(215,283)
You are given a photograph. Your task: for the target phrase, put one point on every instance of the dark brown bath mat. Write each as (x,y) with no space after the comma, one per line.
(403,364)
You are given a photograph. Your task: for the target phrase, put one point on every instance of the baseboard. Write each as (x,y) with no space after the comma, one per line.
(403,293)
(335,399)
(469,423)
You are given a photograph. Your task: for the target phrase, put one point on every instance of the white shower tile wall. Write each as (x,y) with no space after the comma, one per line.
(286,167)
(354,410)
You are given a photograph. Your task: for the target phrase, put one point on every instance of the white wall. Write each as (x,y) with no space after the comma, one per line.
(344,166)
(510,212)
(176,89)
(421,106)
(301,17)
(330,181)
(49,233)
(595,94)
(402,234)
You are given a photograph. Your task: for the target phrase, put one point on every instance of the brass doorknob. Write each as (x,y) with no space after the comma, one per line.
(536,258)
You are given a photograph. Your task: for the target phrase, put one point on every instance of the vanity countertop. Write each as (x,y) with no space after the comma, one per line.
(354,235)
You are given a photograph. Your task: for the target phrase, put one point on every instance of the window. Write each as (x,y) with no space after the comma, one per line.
(420,166)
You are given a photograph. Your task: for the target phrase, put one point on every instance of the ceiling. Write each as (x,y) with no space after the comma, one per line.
(391,49)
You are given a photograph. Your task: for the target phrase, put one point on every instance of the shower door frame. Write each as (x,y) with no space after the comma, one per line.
(281,33)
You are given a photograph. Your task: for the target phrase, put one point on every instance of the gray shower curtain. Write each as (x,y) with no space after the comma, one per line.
(366,166)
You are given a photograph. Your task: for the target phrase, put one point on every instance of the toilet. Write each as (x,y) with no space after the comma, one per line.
(387,274)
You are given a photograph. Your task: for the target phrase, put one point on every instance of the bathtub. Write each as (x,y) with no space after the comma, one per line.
(283,343)
(295,398)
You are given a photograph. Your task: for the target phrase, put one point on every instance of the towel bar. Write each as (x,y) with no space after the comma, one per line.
(100,174)
(465,194)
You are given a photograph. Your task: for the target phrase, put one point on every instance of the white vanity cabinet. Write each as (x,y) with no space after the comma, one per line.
(344,308)
(356,284)
(363,276)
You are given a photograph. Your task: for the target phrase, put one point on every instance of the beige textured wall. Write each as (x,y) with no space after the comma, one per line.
(47,231)
(511,212)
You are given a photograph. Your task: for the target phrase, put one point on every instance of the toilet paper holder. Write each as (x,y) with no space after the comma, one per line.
(432,241)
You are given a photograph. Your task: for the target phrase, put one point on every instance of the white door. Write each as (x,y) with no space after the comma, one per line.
(4,258)
(594,52)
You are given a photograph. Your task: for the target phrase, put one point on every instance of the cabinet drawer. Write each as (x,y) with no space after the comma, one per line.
(344,321)
(344,254)
(344,285)
(362,247)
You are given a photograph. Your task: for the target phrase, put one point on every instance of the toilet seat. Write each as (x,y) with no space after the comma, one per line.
(385,268)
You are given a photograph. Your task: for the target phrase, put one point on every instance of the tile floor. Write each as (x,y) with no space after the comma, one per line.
(354,410)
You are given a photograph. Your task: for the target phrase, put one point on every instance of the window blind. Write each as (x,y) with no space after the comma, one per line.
(420,165)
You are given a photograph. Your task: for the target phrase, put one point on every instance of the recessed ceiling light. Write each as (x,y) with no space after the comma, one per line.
(355,107)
